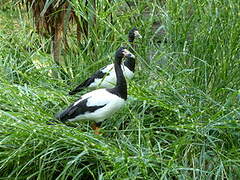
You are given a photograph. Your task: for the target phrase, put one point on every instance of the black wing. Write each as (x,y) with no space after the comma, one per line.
(97,75)
(75,110)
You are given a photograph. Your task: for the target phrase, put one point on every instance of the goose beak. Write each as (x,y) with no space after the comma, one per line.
(137,34)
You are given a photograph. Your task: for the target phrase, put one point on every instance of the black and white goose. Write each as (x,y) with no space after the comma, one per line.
(106,76)
(132,35)
(100,104)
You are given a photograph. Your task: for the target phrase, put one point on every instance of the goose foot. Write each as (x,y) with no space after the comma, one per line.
(96,127)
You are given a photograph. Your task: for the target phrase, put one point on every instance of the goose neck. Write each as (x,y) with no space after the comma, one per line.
(121,84)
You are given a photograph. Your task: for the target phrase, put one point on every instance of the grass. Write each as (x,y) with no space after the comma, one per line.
(182,116)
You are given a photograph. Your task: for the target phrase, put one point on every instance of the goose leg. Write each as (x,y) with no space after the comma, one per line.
(96,127)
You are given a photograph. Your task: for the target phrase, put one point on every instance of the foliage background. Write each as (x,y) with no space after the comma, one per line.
(182,116)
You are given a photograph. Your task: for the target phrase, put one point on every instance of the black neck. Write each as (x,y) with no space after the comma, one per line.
(121,86)
(130,63)
(132,45)
(130,40)
(131,48)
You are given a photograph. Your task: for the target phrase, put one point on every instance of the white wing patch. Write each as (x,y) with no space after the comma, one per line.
(109,81)
(108,68)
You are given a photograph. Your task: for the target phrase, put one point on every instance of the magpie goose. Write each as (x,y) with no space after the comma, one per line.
(106,77)
(100,104)
(133,33)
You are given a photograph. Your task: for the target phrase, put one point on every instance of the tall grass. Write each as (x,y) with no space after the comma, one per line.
(182,116)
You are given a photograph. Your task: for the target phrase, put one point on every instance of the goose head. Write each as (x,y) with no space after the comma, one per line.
(133,33)
(123,52)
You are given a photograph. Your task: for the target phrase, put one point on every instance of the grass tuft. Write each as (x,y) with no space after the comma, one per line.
(181,120)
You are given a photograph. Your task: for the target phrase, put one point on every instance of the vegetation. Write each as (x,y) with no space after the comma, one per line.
(182,116)
(52,18)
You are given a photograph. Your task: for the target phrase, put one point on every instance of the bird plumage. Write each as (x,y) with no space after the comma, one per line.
(96,105)
(100,104)
(105,77)
(132,34)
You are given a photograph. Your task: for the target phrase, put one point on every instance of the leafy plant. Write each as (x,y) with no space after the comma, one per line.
(181,120)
